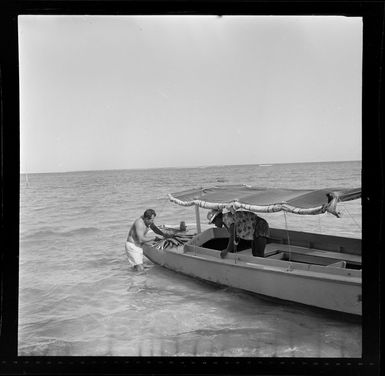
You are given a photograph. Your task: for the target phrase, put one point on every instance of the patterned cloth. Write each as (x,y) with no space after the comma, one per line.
(246,224)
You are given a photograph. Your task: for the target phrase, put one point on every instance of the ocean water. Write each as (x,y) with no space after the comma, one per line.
(79,297)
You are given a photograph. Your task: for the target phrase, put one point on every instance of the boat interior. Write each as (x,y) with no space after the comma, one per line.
(300,248)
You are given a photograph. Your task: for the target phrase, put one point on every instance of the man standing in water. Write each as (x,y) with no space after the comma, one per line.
(137,236)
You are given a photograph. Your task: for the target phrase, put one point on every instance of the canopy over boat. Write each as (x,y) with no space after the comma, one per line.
(266,200)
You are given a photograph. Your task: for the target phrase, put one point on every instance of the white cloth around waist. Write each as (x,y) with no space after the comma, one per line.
(134,253)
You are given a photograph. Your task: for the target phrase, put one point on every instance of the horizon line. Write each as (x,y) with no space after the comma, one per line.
(186,167)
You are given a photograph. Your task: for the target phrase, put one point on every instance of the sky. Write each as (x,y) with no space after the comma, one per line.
(127,92)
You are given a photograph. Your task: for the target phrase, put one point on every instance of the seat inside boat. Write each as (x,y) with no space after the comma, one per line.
(285,252)
(305,252)
(312,256)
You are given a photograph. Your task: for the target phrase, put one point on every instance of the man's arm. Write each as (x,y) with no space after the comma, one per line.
(230,244)
(158,231)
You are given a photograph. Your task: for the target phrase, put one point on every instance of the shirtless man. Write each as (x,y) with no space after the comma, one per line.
(137,236)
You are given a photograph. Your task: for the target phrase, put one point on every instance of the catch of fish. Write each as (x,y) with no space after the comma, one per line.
(174,240)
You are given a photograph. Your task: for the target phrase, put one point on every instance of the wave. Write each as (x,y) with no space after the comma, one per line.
(43,234)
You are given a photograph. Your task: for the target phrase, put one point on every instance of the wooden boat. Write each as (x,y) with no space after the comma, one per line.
(318,270)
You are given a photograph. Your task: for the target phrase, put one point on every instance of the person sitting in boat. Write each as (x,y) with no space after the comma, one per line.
(242,225)
(137,236)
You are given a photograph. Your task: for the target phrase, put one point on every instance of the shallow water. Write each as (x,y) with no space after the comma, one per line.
(78,295)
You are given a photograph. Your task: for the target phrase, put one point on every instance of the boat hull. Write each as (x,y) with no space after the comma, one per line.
(326,287)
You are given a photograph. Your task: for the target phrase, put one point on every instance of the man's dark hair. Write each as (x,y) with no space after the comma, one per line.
(149,213)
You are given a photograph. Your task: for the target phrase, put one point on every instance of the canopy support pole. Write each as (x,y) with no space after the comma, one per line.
(198,219)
